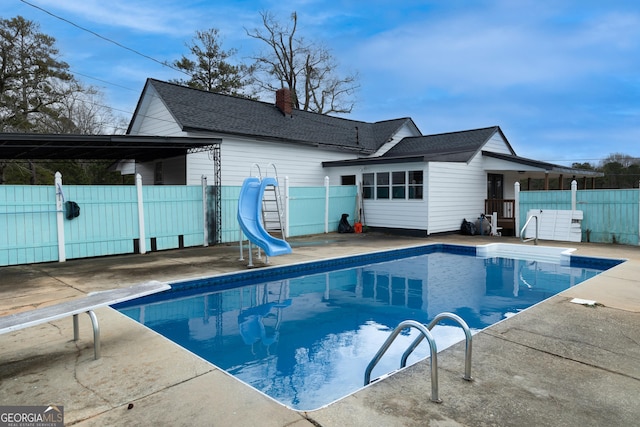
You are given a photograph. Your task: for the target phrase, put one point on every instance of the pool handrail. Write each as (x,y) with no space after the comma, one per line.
(535,239)
(467,348)
(432,348)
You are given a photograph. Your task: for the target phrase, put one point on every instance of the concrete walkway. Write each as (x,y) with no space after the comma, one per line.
(557,363)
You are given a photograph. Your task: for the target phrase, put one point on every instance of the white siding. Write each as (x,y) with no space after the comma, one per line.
(456,191)
(403,132)
(153,118)
(302,164)
(497,144)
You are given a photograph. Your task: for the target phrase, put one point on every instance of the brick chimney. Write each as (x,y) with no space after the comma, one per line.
(283,101)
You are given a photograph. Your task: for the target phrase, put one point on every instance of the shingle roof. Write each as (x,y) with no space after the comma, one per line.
(197,110)
(447,147)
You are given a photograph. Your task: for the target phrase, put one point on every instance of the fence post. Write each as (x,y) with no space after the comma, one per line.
(205,228)
(516,208)
(574,191)
(286,207)
(62,256)
(141,234)
(326,204)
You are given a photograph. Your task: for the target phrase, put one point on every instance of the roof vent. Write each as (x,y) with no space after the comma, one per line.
(283,101)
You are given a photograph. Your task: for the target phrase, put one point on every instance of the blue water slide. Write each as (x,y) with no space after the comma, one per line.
(249,212)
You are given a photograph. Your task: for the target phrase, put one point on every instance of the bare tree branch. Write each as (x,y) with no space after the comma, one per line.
(309,71)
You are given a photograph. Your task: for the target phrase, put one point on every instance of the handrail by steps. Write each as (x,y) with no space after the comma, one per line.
(432,348)
(535,239)
(468,343)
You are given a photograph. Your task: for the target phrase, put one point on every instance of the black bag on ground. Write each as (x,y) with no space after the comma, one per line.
(344,226)
(467,228)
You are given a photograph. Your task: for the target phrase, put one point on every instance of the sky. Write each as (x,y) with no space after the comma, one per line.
(560,77)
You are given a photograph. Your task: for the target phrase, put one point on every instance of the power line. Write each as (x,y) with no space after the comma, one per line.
(164,64)
(103,81)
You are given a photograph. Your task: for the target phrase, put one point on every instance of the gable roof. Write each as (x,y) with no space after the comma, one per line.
(447,147)
(444,147)
(201,111)
(459,147)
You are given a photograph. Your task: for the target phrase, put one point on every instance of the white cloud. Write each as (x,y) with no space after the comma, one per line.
(483,51)
(147,16)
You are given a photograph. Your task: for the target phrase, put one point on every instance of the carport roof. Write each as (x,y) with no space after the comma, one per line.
(98,147)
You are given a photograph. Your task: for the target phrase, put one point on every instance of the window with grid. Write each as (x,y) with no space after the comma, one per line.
(382,185)
(398,185)
(367,185)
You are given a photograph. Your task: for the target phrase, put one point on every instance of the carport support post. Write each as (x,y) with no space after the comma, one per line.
(141,235)
(62,256)
(326,204)
(204,212)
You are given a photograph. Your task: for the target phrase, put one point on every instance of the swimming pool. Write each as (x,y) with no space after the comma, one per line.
(304,334)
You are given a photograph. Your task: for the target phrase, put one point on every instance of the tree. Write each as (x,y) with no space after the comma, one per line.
(83,111)
(620,171)
(584,166)
(623,159)
(31,77)
(307,70)
(209,69)
(39,94)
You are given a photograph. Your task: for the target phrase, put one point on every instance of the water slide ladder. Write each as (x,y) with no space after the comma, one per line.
(272,207)
(424,333)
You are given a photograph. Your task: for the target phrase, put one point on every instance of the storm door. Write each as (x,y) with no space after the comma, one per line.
(495,186)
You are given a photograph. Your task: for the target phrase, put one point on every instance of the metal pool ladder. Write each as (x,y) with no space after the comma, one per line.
(425,333)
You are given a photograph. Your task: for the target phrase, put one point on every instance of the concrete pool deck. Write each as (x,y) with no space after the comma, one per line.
(557,363)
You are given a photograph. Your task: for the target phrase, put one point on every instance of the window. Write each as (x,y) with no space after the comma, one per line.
(367,185)
(348,180)
(382,185)
(398,181)
(399,185)
(415,184)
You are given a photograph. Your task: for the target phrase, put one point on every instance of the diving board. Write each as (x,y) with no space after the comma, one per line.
(95,300)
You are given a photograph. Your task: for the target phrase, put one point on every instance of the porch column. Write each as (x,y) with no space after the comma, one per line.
(546,181)
(560,183)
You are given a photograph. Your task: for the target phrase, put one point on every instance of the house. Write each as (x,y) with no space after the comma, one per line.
(409,181)
(297,142)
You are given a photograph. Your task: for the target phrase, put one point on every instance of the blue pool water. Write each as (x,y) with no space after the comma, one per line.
(305,334)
